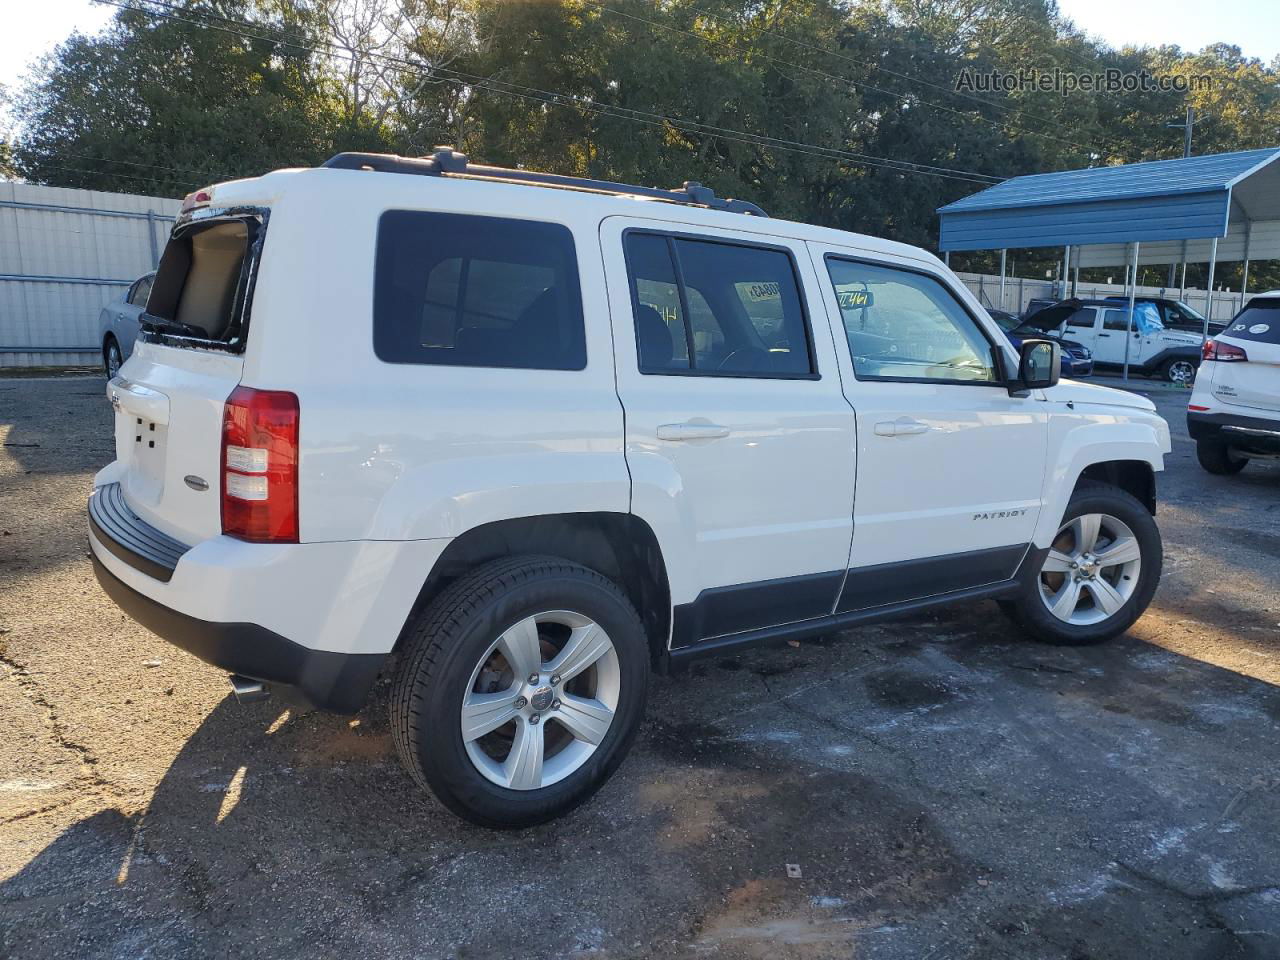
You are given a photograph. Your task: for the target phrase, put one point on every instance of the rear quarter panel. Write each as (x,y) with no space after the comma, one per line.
(408,451)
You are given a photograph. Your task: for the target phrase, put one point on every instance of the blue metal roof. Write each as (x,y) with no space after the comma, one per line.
(1162,200)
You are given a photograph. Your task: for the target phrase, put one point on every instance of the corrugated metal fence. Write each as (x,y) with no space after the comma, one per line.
(63,255)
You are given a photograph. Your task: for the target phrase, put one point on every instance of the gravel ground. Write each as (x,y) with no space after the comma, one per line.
(946,788)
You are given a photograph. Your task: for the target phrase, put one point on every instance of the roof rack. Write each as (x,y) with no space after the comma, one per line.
(447,162)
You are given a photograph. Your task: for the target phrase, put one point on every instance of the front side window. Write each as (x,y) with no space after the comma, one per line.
(715,308)
(1083,319)
(903,325)
(474,291)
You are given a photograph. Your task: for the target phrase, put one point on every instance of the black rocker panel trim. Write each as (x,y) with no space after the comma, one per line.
(726,611)
(733,609)
(883,583)
(1032,561)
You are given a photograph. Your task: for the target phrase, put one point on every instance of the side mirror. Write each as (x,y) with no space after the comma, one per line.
(1039,365)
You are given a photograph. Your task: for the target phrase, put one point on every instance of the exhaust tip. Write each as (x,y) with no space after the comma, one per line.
(248,691)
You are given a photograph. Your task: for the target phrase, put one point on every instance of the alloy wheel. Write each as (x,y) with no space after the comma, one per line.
(1092,569)
(541,700)
(1182,372)
(113,360)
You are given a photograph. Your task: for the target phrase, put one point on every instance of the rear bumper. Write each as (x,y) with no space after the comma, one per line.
(1252,434)
(339,682)
(320,617)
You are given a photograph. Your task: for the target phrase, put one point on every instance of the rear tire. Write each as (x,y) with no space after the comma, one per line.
(486,656)
(1215,457)
(1179,371)
(1094,600)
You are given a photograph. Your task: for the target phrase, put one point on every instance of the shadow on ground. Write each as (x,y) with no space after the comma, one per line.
(941,784)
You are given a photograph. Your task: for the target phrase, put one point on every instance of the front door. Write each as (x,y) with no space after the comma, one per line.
(950,465)
(739,440)
(1114,332)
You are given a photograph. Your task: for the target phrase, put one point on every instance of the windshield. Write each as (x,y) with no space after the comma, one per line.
(1193,314)
(1007,322)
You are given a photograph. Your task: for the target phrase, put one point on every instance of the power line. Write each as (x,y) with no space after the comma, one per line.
(122,176)
(829,76)
(556,98)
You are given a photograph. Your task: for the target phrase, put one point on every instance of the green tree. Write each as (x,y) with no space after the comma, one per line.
(164,105)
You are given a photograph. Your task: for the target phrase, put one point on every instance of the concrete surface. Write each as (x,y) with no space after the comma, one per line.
(946,788)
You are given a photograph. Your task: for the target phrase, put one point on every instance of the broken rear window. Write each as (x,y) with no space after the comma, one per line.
(202,281)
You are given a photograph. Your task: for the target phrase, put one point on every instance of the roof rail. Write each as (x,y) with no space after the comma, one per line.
(447,162)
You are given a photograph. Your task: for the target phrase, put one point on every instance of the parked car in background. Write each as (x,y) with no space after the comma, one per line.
(118,324)
(1077,360)
(1103,326)
(1175,315)
(538,443)
(1234,412)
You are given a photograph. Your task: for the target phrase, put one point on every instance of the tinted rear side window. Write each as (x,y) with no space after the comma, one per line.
(1259,321)
(477,291)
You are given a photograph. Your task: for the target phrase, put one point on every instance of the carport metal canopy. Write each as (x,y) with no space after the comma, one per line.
(1224,206)
(1230,197)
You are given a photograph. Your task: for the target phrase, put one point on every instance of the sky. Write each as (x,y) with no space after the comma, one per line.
(1252,25)
(33,28)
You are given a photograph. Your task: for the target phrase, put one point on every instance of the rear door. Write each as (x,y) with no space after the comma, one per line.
(169,396)
(950,466)
(739,440)
(1252,383)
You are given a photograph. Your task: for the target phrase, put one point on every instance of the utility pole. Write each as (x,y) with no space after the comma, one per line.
(1187,127)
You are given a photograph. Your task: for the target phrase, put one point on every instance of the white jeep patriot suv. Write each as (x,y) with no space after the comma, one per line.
(538,437)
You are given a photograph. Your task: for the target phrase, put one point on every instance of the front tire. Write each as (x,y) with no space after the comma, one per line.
(520,691)
(112,359)
(1215,457)
(1100,573)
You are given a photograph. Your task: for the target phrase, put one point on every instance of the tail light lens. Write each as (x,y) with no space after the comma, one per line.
(1225,352)
(260,466)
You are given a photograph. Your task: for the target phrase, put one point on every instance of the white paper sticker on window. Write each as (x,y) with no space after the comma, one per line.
(1260,328)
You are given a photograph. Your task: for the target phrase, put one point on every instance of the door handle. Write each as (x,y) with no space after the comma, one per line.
(692,431)
(1104,334)
(902,427)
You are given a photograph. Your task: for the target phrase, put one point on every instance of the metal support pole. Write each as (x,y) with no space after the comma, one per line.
(1244,280)
(1003,253)
(1132,277)
(946,257)
(1075,276)
(151,236)
(1213,264)
(1066,271)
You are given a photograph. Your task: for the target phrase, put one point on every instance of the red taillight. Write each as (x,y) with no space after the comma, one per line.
(1196,408)
(260,466)
(199,198)
(1225,352)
